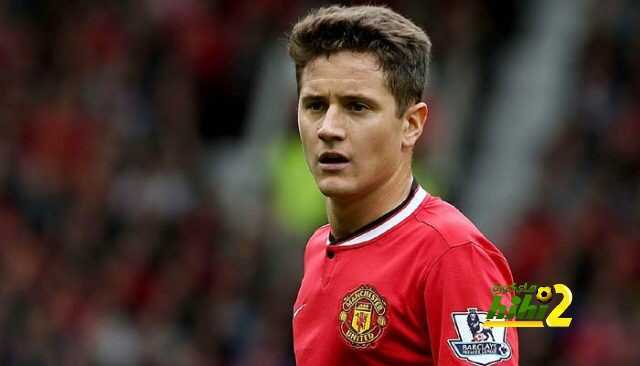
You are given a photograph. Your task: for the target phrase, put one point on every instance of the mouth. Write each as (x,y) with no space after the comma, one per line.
(333,161)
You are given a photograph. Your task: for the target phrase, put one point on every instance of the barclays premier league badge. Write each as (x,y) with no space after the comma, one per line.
(477,344)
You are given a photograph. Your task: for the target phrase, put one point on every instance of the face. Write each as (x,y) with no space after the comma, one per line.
(352,136)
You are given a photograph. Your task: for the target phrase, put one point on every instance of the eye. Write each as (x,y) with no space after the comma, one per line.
(358,107)
(315,106)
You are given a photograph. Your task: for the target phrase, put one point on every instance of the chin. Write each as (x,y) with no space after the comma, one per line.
(334,187)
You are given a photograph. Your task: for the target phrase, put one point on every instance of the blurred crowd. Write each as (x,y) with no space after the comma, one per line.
(584,227)
(115,250)
(112,248)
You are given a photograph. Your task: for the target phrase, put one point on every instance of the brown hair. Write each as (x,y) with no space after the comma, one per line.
(401,47)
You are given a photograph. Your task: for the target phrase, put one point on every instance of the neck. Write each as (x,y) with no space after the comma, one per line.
(347,216)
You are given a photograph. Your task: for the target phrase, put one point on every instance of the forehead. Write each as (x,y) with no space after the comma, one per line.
(343,72)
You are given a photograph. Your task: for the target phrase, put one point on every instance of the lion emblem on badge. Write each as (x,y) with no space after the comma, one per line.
(362,316)
(479,332)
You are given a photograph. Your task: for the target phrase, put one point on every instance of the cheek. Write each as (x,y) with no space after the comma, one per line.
(308,138)
(305,132)
(380,145)
(384,139)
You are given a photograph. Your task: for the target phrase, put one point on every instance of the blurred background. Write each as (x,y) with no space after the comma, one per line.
(154,202)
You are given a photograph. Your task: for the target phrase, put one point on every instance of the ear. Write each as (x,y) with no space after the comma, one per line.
(413,123)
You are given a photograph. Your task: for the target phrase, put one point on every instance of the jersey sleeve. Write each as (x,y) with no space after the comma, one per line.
(457,295)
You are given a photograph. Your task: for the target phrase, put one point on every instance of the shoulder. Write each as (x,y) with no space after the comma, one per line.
(319,238)
(450,233)
(321,234)
(447,221)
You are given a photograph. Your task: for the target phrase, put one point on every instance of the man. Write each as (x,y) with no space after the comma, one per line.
(397,273)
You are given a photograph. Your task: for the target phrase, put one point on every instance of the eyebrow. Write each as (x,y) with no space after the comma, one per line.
(311,97)
(372,103)
(346,97)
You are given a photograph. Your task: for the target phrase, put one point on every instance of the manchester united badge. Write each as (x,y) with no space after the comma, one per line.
(362,317)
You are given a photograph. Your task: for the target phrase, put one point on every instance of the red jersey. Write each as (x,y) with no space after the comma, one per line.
(411,289)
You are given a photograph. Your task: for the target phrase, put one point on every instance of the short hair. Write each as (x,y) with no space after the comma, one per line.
(402,49)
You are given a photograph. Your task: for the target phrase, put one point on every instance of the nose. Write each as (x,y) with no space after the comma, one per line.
(331,128)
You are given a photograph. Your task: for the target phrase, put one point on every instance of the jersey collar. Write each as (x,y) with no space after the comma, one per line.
(384,223)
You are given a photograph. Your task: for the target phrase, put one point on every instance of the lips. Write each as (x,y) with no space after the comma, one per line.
(332,157)
(333,161)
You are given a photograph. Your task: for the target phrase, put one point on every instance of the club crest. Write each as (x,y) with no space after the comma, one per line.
(476,344)
(362,317)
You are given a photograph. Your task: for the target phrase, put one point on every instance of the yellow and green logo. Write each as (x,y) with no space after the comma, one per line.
(524,312)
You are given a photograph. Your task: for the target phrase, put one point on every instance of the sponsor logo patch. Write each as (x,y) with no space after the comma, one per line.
(477,344)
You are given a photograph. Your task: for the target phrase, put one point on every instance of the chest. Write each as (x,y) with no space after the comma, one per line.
(361,305)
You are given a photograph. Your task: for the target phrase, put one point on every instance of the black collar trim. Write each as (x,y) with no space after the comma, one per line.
(414,188)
